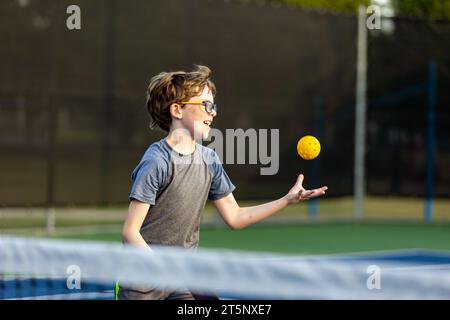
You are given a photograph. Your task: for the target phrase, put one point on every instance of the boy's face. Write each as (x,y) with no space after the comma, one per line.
(195,118)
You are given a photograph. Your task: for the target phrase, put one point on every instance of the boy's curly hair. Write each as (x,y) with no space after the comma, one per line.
(174,87)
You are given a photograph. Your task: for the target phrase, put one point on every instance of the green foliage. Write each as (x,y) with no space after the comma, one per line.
(345,6)
(349,6)
(435,9)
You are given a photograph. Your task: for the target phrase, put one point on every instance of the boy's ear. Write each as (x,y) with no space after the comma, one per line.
(175,111)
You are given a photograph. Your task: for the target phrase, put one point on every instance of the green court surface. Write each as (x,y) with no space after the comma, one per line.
(318,238)
(329,210)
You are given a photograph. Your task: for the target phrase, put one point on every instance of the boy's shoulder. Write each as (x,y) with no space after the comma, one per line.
(157,150)
(154,158)
(157,154)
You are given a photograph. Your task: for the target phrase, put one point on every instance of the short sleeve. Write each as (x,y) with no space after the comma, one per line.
(148,179)
(221,185)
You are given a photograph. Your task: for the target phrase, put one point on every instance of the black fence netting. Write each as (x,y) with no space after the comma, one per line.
(73,123)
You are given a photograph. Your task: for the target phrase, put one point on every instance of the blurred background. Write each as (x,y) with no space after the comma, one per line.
(73,123)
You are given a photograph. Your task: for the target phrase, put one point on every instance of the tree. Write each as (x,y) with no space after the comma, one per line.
(345,6)
(435,9)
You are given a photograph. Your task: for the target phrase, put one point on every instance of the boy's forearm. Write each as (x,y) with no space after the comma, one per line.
(249,215)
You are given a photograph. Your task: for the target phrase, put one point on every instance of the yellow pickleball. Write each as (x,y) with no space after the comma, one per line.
(308,147)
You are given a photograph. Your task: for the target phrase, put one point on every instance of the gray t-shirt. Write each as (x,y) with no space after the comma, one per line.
(176,187)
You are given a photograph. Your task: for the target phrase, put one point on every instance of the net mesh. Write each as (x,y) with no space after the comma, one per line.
(308,59)
(53,269)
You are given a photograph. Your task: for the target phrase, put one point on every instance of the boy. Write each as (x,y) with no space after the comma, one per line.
(176,175)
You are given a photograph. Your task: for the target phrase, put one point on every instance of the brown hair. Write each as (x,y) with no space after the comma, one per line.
(174,87)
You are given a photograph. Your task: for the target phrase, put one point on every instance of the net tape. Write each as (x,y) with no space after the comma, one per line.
(229,273)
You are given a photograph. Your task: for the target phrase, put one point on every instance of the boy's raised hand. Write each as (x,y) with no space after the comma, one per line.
(298,193)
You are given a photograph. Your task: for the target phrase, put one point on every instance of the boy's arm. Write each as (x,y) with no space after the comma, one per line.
(237,218)
(137,211)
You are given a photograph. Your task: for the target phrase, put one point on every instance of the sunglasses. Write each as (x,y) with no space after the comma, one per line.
(209,106)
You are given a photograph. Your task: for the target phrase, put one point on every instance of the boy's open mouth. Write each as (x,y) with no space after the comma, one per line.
(207,122)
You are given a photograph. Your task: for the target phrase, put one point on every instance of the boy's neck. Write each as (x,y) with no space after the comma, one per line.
(181,143)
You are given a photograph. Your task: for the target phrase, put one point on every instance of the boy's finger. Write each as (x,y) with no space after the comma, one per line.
(307,194)
(319,192)
(300,179)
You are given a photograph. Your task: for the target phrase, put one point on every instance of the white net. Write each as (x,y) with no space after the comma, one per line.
(53,269)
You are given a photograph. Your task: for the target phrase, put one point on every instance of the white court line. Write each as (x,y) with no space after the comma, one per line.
(423,267)
(71,296)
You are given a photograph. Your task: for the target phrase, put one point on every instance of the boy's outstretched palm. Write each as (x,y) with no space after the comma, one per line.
(298,192)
